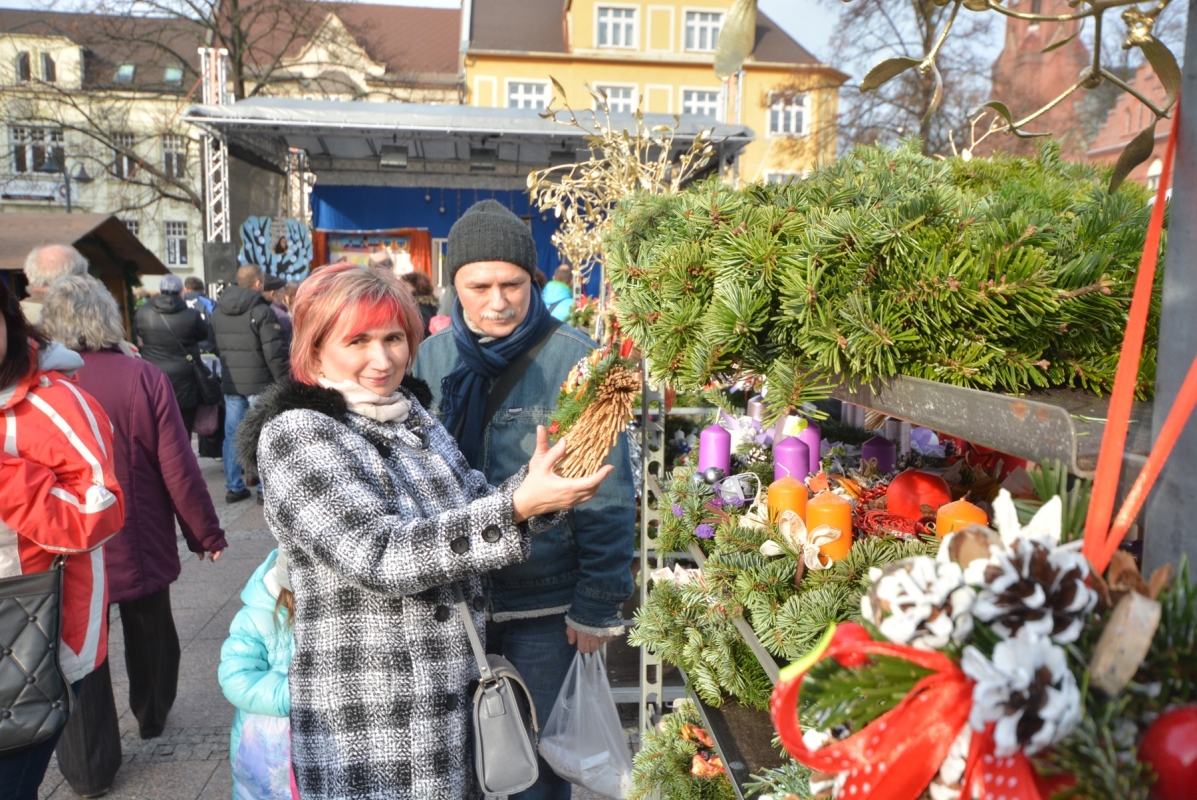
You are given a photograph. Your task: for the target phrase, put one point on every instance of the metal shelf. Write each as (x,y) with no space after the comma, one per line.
(743,738)
(1063,424)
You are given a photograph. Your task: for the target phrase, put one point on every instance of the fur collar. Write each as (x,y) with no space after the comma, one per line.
(291,395)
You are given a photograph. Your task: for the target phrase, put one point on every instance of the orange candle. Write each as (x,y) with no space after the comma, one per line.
(828,508)
(960,514)
(787,494)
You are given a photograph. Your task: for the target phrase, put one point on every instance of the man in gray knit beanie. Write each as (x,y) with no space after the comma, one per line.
(495,375)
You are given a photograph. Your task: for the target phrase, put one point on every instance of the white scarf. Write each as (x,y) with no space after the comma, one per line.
(365,402)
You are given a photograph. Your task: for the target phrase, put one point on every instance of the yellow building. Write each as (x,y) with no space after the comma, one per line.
(659,54)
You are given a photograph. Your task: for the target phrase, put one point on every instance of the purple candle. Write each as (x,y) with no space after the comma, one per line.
(791,458)
(812,437)
(714,449)
(881,452)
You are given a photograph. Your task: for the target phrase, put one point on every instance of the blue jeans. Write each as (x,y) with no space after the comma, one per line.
(235,406)
(538,649)
(22,774)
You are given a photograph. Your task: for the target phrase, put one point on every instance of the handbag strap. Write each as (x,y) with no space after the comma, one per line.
(472,633)
(174,335)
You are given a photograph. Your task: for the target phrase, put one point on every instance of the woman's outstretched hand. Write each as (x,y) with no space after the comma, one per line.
(544,491)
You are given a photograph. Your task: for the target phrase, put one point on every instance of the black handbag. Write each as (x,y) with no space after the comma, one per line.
(35,698)
(210,390)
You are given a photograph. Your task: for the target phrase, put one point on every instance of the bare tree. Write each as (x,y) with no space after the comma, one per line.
(870,31)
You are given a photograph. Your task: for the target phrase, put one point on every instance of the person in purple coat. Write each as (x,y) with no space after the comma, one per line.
(162,482)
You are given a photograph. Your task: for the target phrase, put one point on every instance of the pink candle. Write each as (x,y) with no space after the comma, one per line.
(714,449)
(791,458)
(812,437)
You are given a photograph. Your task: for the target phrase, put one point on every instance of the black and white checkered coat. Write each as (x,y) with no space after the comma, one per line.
(377,521)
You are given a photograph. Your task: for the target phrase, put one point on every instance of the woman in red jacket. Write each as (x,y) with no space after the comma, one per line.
(58,496)
(162,482)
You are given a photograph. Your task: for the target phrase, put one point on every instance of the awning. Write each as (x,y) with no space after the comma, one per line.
(102,239)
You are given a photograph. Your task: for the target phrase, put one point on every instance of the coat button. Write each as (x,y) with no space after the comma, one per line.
(460,545)
(451,702)
(492,533)
(442,613)
(423,438)
(479,603)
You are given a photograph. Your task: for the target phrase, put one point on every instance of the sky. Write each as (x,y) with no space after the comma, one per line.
(808,21)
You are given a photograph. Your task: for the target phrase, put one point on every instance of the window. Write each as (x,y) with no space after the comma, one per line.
(176,244)
(616,27)
(1036,6)
(1153,174)
(702,30)
(49,69)
(173,75)
(619,98)
(124,73)
(124,164)
(135,228)
(788,117)
(700,103)
(526,94)
(24,70)
(782,176)
(31,146)
(174,155)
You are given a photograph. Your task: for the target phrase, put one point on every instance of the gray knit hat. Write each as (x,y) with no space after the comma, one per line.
(488,231)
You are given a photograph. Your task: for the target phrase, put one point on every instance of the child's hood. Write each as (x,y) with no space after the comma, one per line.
(255,594)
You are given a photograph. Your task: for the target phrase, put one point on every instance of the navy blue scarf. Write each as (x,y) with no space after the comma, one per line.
(464,391)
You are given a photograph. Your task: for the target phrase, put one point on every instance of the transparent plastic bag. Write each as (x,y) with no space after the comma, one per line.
(262,764)
(582,740)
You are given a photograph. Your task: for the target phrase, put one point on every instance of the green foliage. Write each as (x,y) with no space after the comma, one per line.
(663,763)
(1006,273)
(1051,479)
(834,696)
(790,778)
(571,402)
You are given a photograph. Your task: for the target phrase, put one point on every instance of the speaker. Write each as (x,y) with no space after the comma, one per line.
(220,262)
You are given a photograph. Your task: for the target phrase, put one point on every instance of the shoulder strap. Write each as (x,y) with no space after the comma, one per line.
(501,389)
(174,335)
(472,632)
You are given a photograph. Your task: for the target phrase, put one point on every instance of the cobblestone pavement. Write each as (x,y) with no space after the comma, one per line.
(190,760)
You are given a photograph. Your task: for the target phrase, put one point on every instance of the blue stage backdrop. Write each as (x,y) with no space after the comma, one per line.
(383,207)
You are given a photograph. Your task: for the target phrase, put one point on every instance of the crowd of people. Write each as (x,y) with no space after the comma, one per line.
(402,461)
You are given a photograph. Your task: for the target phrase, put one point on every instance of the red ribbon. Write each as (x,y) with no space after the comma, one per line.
(897,755)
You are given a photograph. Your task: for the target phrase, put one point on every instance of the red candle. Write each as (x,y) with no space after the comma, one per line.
(787,494)
(828,508)
(957,515)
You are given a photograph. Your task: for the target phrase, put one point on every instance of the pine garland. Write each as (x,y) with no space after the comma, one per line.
(662,767)
(1006,274)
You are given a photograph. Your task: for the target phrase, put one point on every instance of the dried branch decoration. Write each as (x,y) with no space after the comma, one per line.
(593,408)
(623,159)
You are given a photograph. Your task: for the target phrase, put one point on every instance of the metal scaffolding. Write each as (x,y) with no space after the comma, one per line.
(214,80)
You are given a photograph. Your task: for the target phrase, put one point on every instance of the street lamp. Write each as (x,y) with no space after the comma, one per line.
(52,164)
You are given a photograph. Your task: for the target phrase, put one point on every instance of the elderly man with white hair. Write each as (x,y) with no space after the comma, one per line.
(43,266)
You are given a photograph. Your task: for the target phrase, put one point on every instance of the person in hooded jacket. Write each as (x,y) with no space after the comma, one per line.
(253,355)
(59,495)
(161,478)
(254,663)
(170,331)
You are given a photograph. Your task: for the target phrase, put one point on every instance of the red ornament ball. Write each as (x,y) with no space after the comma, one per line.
(916,495)
(849,633)
(1170,747)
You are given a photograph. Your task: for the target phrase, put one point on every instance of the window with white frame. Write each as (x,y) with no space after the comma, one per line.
(135,228)
(174,155)
(49,69)
(702,30)
(700,103)
(176,244)
(620,99)
(124,73)
(788,116)
(616,27)
(783,175)
(172,75)
(32,147)
(528,94)
(1153,174)
(123,164)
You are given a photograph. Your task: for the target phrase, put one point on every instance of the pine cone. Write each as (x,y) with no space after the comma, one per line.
(1035,586)
(1027,689)
(919,602)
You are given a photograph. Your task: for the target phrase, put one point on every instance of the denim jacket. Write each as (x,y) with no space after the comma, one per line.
(583,565)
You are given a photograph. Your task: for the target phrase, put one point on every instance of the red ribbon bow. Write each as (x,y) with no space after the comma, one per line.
(897,755)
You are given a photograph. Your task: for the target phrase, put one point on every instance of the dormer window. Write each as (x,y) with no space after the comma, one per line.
(616,27)
(24,67)
(49,69)
(173,75)
(124,73)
